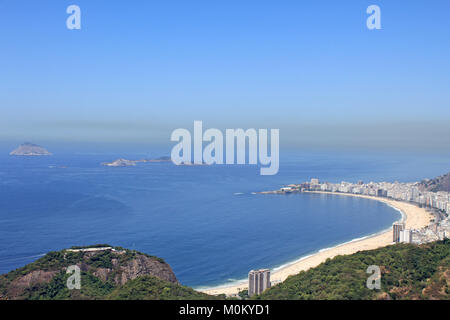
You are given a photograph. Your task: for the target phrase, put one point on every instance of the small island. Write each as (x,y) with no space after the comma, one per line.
(132,163)
(120,163)
(30,149)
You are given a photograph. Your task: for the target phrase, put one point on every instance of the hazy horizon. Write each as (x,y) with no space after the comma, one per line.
(133,74)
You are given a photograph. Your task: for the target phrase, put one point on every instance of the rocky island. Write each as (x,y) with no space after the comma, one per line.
(30,149)
(120,163)
(132,163)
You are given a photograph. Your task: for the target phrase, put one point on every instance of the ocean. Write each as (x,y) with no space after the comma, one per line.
(205,221)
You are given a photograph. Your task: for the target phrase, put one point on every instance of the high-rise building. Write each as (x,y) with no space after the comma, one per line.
(396,228)
(258,281)
(405,236)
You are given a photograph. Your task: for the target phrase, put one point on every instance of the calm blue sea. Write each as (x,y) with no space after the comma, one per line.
(203,220)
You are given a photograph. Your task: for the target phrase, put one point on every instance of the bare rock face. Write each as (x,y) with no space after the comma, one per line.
(29,280)
(143,265)
(441,183)
(29,149)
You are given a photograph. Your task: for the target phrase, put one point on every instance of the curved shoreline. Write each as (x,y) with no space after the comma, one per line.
(413,216)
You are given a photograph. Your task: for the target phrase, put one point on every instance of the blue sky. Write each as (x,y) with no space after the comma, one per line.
(139,69)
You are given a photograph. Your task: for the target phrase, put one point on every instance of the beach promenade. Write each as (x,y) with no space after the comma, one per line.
(414,218)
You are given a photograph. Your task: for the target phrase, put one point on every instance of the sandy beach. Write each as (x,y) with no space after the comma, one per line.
(414,218)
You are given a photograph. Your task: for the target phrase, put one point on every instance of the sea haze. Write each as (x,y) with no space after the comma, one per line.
(204,221)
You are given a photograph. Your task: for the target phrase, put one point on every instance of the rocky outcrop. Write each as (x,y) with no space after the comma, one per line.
(29,280)
(441,183)
(139,266)
(143,265)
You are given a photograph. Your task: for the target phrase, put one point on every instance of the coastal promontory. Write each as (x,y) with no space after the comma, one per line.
(106,273)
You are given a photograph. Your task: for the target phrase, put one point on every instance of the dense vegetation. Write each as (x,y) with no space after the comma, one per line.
(407,272)
(91,288)
(141,288)
(152,288)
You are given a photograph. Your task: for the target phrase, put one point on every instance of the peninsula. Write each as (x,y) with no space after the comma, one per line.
(108,273)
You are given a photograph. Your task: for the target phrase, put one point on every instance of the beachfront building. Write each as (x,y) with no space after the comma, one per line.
(287,189)
(396,228)
(258,281)
(405,236)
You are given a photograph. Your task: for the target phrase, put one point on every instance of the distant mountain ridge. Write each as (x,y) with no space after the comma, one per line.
(441,183)
(30,149)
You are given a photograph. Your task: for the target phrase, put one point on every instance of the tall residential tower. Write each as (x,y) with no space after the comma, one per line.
(258,281)
(396,228)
